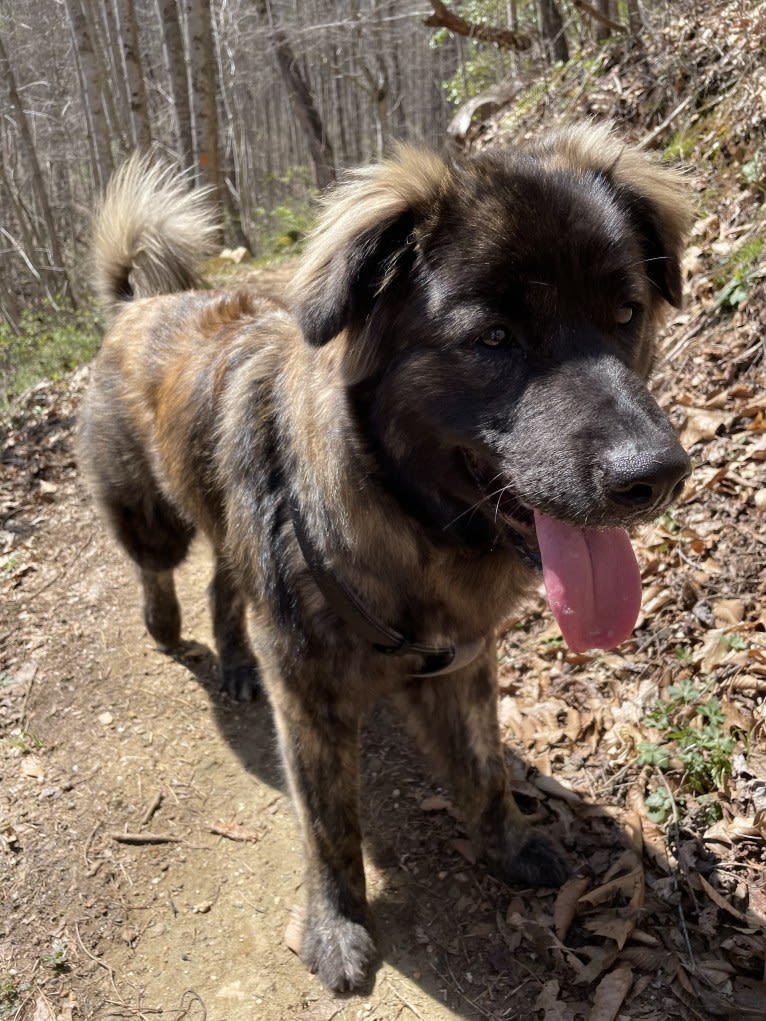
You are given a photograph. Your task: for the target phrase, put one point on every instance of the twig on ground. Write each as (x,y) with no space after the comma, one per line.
(144,838)
(152,808)
(404,1000)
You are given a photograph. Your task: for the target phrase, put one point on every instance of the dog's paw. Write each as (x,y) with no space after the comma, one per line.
(538,862)
(241,680)
(163,622)
(340,952)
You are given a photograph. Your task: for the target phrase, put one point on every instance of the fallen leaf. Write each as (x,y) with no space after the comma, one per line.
(32,767)
(43,1009)
(549,785)
(465,848)
(703,424)
(565,908)
(233,831)
(601,958)
(613,925)
(728,611)
(721,902)
(553,1008)
(436,803)
(626,886)
(610,994)
(295,927)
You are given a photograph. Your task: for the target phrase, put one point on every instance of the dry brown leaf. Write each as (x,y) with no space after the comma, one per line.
(32,767)
(234,831)
(43,1009)
(750,997)
(548,785)
(634,827)
(628,886)
(743,916)
(703,424)
(610,994)
(565,908)
(465,848)
(728,611)
(436,803)
(613,925)
(715,651)
(553,1008)
(645,958)
(295,927)
(601,958)
(732,831)
(627,862)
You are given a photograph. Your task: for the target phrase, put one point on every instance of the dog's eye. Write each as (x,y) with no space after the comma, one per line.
(626,313)
(495,336)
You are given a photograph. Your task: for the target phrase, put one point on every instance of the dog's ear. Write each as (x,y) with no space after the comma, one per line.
(661,231)
(654,196)
(364,240)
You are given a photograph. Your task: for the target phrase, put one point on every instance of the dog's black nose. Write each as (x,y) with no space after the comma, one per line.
(647,482)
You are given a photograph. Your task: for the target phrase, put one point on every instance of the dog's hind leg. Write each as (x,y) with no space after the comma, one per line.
(454,721)
(157,539)
(162,612)
(228,607)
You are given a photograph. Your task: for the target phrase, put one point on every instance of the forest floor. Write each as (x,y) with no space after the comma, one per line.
(149,858)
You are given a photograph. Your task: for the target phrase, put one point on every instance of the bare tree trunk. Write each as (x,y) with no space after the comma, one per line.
(635,21)
(553,31)
(94,88)
(139,106)
(301,100)
(55,269)
(179,86)
(117,70)
(603,30)
(204,88)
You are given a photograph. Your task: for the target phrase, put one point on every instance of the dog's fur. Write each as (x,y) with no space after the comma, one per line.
(457,351)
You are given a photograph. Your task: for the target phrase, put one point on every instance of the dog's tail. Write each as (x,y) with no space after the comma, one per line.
(150,232)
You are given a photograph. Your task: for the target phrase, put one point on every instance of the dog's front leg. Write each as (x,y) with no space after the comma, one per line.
(454,720)
(319,739)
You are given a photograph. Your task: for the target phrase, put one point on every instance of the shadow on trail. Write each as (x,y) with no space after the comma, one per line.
(437,916)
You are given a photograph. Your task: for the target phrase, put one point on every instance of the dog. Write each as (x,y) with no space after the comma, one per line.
(453,397)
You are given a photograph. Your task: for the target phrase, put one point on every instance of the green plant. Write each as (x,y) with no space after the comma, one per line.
(482,64)
(754,171)
(9,1000)
(8,992)
(47,343)
(659,805)
(24,742)
(693,744)
(57,957)
(277,231)
(738,274)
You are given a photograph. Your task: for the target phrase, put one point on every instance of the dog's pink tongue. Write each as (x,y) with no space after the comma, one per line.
(592,581)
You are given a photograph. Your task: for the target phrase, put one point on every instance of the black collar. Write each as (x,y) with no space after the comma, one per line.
(345,604)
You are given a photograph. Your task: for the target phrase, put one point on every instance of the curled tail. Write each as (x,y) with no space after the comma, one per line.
(150,232)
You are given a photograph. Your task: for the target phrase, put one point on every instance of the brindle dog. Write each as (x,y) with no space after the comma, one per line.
(456,390)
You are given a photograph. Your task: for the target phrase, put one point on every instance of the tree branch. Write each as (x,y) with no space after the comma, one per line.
(596,14)
(505,38)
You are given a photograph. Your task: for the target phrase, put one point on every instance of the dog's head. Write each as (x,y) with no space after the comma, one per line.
(497,317)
